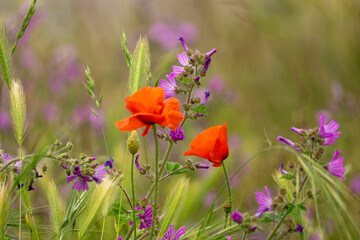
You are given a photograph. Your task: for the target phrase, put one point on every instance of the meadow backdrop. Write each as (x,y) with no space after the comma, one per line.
(279,63)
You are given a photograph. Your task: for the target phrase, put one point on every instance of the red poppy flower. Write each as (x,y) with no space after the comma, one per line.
(148,107)
(211,144)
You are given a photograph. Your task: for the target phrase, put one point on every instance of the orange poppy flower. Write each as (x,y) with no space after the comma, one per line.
(211,144)
(148,107)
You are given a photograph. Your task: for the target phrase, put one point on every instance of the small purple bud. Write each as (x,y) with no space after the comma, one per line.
(209,54)
(197,78)
(31,187)
(237,217)
(287,142)
(200,114)
(253,228)
(110,163)
(282,169)
(37,175)
(92,158)
(182,40)
(299,228)
(120,238)
(63,165)
(137,165)
(206,64)
(77,171)
(201,166)
(298,130)
(206,98)
(177,135)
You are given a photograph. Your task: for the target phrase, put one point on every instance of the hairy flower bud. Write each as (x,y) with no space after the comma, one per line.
(133,142)
(69,146)
(227,208)
(319,153)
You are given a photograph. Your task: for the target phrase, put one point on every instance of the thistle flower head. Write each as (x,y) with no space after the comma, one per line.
(18,110)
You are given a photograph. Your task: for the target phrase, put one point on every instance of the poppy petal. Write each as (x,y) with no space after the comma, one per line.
(147,99)
(220,150)
(129,124)
(171,115)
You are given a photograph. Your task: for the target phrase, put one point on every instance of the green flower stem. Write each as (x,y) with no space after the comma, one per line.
(172,173)
(156,181)
(167,155)
(229,192)
(103,228)
(274,231)
(133,192)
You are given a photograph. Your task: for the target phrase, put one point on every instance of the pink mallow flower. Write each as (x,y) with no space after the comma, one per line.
(335,166)
(328,131)
(183,60)
(264,201)
(170,233)
(81,181)
(99,174)
(169,86)
(145,218)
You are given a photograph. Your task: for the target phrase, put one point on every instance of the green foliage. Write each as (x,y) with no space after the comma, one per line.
(174,203)
(173,166)
(200,109)
(288,176)
(270,217)
(140,65)
(5,58)
(24,24)
(126,51)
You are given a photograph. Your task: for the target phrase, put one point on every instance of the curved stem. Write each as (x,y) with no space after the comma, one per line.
(156,181)
(229,192)
(103,133)
(133,192)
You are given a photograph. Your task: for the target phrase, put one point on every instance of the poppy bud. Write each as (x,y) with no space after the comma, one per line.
(133,142)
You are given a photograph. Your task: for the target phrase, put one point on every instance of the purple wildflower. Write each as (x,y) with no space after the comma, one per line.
(265,202)
(228,237)
(182,40)
(237,217)
(169,86)
(282,169)
(170,233)
(177,135)
(287,142)
(120,238)
(206,98)
(253,228)
(335,166)
(298,130)
(80,180)
(299,228)
(137,165)
(99,174)
(31,187)
(183,60)
(209,54)
(206,65)
(328,131)
(110,163)
(145,218)
(201,166)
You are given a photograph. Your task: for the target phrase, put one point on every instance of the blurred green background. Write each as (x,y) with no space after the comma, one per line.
(279,63)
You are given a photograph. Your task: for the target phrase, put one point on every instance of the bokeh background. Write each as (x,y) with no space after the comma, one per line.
(279,63)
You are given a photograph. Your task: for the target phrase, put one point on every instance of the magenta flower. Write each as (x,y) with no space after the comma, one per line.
(120,238)
(182,40)
(110,163)
(282,169)
(170,233)
(335,166)
(299,228)
(183,60)
(287,142)
(328,131)
(145,218)
(177,135)
(237,217)
(264,201)
(137,165)
(80,180)
(169,86)
(99,174)
(253,228)
(206,98)
(228,237)
(298,130)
